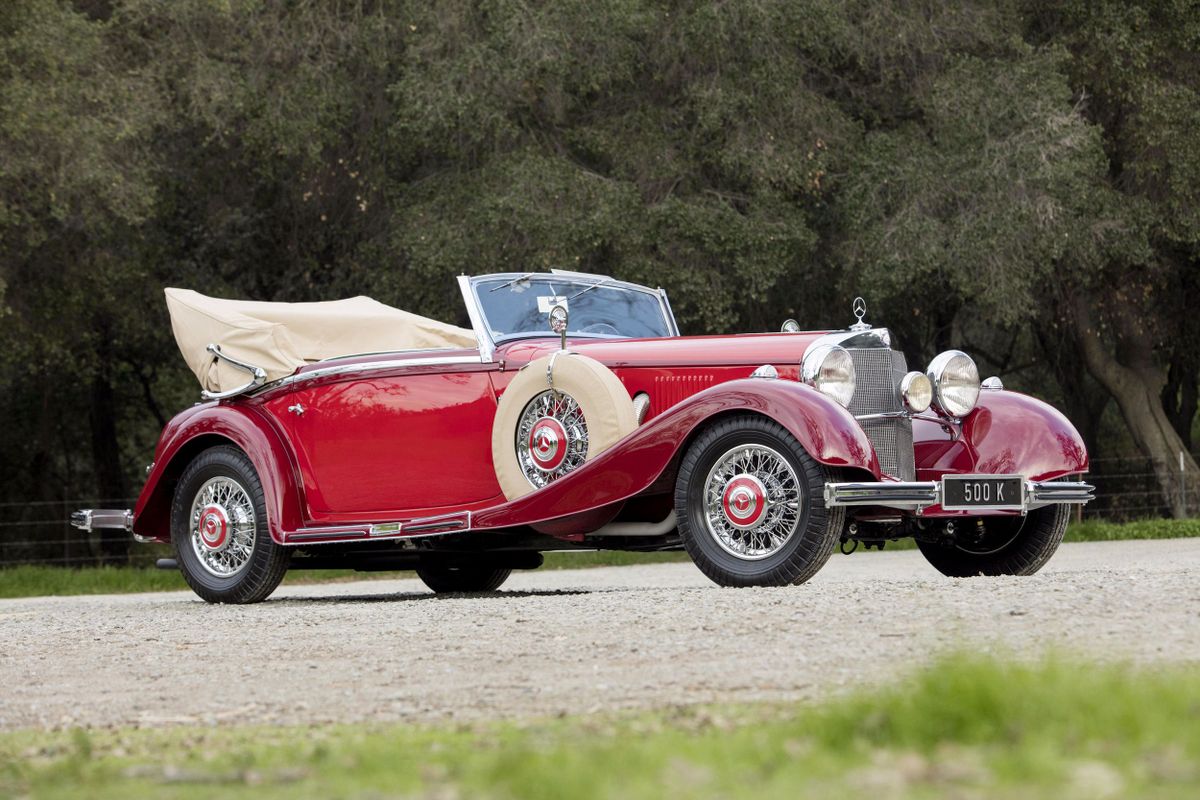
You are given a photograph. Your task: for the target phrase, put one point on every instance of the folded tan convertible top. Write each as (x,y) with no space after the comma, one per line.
(279,337)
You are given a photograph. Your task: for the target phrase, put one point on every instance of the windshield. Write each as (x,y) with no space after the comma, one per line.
(516,305)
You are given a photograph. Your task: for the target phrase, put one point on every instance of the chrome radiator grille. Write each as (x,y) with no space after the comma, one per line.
(879,370)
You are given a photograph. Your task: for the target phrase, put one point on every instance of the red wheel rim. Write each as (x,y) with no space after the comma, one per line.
(548,444)
(744,501)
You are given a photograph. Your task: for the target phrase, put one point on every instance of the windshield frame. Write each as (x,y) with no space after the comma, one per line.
(483,334)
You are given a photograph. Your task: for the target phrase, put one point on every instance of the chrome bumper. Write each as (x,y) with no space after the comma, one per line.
(919,495)
(89,519)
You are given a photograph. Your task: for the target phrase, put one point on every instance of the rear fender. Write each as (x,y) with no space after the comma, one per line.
(641,461)
(1008,433)
(210,425)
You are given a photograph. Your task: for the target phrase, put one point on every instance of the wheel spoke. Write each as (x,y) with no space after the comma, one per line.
(228,505)
(752,501)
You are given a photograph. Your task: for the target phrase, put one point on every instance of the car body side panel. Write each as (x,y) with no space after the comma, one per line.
(211,424)
(391,443)
(634,465)
(1008,433)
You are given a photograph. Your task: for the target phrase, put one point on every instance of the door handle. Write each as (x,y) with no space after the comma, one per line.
(297,409)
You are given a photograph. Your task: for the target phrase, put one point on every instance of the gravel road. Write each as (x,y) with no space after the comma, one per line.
(574,641)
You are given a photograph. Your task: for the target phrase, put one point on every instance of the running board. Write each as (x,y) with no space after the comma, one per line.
(382,531)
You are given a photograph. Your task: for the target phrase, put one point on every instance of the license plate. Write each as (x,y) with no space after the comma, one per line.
(975,492)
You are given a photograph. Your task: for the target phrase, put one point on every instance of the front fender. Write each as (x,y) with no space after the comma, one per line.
(1008,433)
(637,463)
(209,425)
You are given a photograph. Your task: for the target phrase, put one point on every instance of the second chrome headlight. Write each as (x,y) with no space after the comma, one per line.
(955,380)
(829,369)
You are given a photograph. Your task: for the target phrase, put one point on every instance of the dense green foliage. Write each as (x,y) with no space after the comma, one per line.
(963,726)
(1018,179)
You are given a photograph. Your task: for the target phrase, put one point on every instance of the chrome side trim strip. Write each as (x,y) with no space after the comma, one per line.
(447,523)
(373,366)
(419,528)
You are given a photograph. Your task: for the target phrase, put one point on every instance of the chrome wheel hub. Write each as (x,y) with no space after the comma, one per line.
(752,501)
(552,437)
(222,527)
(214,528)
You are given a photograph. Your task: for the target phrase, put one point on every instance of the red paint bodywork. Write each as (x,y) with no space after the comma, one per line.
(413,440)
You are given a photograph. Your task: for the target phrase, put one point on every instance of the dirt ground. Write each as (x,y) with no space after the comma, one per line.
(573,641)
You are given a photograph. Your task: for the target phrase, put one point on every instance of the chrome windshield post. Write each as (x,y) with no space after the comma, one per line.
(487,347)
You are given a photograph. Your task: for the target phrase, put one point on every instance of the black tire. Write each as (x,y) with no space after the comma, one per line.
(262,571)
(816,531)
(1007,546)
(449,578)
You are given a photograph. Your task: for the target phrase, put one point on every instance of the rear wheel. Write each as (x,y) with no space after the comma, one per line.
(1002,545)
(750,505)
(445,578)
(219,530)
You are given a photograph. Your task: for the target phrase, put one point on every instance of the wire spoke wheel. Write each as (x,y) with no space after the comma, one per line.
(750,506)
(222,529)
(752,500)
(551,438)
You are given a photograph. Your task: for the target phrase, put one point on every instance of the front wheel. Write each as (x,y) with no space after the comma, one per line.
(1001,545)
(446,578)
(219,530)
(751,507)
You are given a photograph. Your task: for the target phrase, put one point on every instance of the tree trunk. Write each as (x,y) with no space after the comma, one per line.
(1180,398)
(1083,404)
(1137,386)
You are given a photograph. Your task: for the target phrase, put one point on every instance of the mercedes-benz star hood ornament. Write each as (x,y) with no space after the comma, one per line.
(860,311)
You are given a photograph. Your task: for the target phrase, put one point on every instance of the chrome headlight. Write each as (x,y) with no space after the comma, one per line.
(829,369)
(917,391)
(955,380)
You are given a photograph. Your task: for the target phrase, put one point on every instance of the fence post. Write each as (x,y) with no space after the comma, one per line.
(1182,486)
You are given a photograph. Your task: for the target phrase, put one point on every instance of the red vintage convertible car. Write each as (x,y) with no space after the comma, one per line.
(574,416)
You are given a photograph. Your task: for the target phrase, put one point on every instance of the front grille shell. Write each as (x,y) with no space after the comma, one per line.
(879,371)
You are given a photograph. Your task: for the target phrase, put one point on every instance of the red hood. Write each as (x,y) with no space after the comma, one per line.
(751,349)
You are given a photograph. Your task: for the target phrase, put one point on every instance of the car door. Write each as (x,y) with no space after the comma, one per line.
(410,436)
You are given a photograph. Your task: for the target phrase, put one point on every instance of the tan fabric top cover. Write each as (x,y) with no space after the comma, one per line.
(279,337)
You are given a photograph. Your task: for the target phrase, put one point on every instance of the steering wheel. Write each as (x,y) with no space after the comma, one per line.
(602,328)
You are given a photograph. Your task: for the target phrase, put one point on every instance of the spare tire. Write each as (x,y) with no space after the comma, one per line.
(558,412)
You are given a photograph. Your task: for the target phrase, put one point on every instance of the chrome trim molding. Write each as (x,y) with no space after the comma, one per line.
(419,528)
(875,337)
(258,375)
(919,495)
(374,366)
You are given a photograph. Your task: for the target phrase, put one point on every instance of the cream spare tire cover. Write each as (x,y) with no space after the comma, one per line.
(544,431)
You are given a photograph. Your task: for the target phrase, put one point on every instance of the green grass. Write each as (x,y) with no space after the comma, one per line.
(966,726)
(1100,531)
(35,581)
